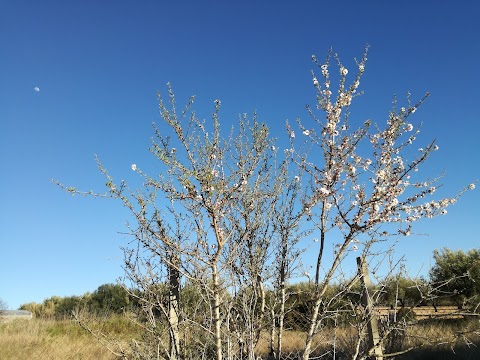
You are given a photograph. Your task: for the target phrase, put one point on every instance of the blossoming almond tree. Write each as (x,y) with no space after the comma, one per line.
(225,188)
(365,187)
(218,231)
(206,218)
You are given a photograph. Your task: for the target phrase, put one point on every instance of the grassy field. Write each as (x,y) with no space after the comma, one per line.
(65,339)
(58,339)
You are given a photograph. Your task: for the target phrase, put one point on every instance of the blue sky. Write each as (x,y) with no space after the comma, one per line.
(98,65)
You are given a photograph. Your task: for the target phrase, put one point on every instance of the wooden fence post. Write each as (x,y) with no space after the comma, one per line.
(372,325)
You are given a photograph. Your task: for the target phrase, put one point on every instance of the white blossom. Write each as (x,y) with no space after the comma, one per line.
(134,167)
(471,186)
(381,174)
(324,191)
(306,132)
(292,134)
(315,81)
(343,71)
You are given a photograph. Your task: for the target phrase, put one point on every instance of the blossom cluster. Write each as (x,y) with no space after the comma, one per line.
(360,192)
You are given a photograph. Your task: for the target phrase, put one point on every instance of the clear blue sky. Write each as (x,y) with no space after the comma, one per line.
(98,65)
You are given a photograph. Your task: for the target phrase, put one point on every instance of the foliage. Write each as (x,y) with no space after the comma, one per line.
(107,299)
(402,291)
(110,297)
(457,274)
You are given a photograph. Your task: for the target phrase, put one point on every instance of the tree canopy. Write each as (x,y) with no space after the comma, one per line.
(457,273)
(233,215)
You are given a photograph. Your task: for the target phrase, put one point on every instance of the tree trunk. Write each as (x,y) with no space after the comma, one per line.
(173,304)
(216,313)
(281,318)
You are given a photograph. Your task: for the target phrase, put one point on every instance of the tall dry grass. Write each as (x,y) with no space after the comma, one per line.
(429,340)
(59,339)
(66,340)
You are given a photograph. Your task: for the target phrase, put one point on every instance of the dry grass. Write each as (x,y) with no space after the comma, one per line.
(432,340)
(65,339)
(49,339)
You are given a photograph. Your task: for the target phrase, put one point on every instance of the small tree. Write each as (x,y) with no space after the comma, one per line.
(206,217)
(400,290)
(227,216)
(363,183)
(456,274)
(110,298)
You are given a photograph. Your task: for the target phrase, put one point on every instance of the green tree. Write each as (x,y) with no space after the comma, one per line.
(110,297)
(68,304)
(33,307)
(403,291)
(457,274)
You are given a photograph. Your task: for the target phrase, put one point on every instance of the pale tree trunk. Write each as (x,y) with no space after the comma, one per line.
(319,295)
(283,298)
(281,318)
(173,303)
(311,330)
(272,331)
(216,313)
(256,323)
(318,300)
